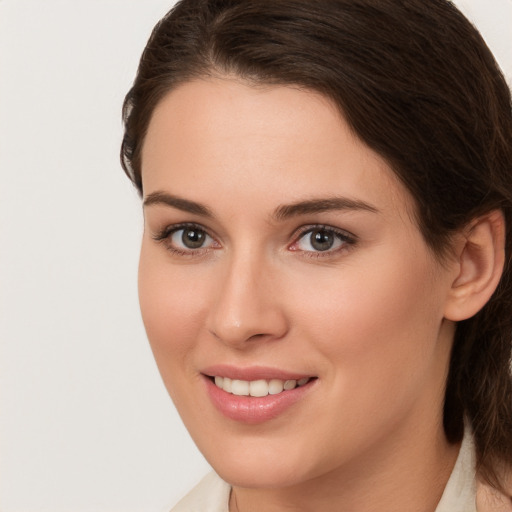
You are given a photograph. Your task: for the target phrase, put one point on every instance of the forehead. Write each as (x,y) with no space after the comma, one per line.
(227,136)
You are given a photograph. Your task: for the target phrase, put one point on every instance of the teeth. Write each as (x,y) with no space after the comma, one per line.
(240,387)
(258,388)
(275,386)
(226,384)
(289,384)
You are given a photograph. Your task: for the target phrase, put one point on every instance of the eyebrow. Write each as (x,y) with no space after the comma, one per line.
(321,205)
(281,213)
(177,202)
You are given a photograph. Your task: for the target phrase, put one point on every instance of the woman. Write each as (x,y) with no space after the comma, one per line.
(325,274)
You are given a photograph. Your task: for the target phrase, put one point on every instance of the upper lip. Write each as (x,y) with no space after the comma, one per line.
(251,373)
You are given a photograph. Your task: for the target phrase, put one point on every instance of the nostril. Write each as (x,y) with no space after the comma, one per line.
(256,336)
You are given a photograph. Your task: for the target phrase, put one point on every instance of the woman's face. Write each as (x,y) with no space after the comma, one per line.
(280,251)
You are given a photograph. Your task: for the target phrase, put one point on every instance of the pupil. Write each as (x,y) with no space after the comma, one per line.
(192,238)
(322,240)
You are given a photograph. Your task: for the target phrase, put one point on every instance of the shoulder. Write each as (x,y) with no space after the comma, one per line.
(211,494)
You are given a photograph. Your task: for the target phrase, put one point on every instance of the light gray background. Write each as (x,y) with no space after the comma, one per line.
(85,423)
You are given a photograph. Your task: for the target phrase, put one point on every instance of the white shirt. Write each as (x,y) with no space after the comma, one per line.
(212,493)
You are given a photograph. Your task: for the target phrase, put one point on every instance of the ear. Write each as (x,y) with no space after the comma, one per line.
(480,258)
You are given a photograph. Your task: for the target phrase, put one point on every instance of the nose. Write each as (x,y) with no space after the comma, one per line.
(247,304)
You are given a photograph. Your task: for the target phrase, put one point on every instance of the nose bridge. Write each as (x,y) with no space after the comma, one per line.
(246,304)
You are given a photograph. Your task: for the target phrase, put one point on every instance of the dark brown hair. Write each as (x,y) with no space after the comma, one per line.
(416,82)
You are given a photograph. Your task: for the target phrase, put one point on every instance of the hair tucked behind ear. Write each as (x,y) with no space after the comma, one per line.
(418,85)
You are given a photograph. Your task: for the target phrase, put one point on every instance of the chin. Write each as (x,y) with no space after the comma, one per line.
(261,462)
(260,476)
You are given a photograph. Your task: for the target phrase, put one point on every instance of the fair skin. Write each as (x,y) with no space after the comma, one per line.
(364,311)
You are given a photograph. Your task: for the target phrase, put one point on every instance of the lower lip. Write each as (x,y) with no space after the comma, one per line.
(247,409)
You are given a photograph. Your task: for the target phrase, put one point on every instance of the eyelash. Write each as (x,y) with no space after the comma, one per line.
(167,232)
(346,239)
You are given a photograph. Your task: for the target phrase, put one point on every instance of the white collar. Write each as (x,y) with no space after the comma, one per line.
(460,492)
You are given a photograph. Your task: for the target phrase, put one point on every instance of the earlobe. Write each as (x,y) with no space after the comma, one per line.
(481,257)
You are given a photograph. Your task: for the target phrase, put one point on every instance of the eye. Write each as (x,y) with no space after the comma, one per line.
(189,238)
(186,239)
(322,239)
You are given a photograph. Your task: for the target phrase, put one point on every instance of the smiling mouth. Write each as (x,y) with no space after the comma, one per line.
(258,388)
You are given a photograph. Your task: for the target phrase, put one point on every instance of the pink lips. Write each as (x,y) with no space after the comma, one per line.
(251,410)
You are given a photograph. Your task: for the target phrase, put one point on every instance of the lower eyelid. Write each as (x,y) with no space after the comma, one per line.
(340,251)
(180,252)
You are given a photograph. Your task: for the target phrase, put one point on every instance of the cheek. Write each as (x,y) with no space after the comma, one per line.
(376,335)
(378,323)
(171,307)
(173,313)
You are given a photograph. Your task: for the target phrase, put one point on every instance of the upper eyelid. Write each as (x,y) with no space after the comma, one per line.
(303,230)
(167,230)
